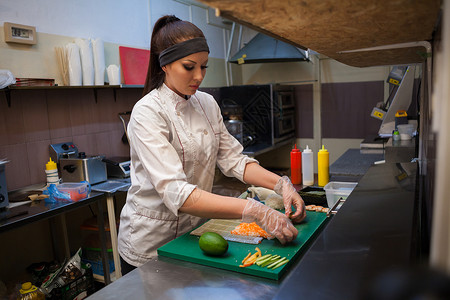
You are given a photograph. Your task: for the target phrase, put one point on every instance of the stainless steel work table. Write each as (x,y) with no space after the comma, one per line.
(34,211)
(372,233)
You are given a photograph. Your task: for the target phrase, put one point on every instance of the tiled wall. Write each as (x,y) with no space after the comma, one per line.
(40,117)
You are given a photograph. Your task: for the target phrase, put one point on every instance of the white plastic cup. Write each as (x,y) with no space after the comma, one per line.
(406,131)
(113,72)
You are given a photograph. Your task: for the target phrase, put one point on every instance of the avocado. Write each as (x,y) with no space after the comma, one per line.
(213,244)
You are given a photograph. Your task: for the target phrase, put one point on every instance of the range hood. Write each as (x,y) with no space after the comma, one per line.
(264,49)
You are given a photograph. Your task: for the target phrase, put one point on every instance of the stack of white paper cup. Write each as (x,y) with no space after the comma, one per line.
(52,177)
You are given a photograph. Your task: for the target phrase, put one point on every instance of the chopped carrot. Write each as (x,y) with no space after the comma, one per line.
(250,258)
(248,255)
(248,264)
(250,229)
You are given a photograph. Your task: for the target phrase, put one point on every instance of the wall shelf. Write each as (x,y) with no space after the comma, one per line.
(95,88)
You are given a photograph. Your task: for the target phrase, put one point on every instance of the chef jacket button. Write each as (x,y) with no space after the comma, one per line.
(178,113)
(205,132)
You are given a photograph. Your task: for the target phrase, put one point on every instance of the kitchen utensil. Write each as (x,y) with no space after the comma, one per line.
(122,116)
(236,128)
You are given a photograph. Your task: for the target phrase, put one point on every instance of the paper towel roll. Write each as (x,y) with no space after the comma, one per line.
(87,60)
(99,61)
(113,72)
(73,58)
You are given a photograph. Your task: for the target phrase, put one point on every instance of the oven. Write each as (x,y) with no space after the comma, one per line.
(285,99)
(284,124)
(283,113)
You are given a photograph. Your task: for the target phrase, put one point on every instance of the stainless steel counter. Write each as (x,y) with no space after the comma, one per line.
(371,233)
(165,278)
(258,149)
(401,151)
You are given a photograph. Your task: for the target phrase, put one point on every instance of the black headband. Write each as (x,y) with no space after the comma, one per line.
(183,49)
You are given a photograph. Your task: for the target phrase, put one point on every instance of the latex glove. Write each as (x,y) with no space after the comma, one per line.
(261,192)
(291,198)
(272,221)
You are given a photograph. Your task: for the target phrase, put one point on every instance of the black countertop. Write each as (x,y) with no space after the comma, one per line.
(370,234)
(353,164)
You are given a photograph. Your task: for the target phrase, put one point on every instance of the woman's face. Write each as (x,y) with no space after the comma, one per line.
(185,75)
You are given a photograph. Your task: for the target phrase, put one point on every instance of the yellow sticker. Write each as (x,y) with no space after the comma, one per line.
(378,114)
(393,81)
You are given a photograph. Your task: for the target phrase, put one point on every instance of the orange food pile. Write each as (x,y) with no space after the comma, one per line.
(250,258)
(316,208)
(250,229)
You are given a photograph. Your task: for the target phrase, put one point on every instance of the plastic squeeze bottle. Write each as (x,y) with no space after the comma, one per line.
(296,165)
(52,172)
(30,292)
(307,167)
(323,166)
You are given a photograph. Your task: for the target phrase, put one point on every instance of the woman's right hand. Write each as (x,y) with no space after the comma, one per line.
(272,221)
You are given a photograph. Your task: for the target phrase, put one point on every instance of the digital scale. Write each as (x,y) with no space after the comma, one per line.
(118,166)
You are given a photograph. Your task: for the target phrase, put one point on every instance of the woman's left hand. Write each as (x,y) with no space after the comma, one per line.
(291,198)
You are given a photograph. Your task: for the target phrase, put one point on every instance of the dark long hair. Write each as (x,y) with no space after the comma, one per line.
(168,31)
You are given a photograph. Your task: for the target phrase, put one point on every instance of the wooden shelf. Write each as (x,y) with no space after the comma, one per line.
(8,89)
(52,87)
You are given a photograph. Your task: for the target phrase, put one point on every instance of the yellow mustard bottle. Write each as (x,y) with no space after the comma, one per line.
(52,172)
(323,166)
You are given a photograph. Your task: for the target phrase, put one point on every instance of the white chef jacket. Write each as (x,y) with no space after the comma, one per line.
(175,145)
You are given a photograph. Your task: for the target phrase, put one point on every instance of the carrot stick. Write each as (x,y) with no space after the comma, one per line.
(248,255)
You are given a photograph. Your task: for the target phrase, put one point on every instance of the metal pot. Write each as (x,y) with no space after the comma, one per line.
(231,110)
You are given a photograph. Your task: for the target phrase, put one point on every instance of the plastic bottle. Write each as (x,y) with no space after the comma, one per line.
(395,135)
(307,167)
(323,166)
(52,173)
(296,165)
(30,292)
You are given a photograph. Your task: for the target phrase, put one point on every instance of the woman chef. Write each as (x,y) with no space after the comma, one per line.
(177,137)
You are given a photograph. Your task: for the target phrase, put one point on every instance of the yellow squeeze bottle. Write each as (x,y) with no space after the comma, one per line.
(51,165)
(51,170)
(323,166)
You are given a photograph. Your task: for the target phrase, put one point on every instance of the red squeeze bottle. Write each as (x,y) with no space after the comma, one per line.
(296,165)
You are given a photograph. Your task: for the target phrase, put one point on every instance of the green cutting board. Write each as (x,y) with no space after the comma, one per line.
(186,248)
